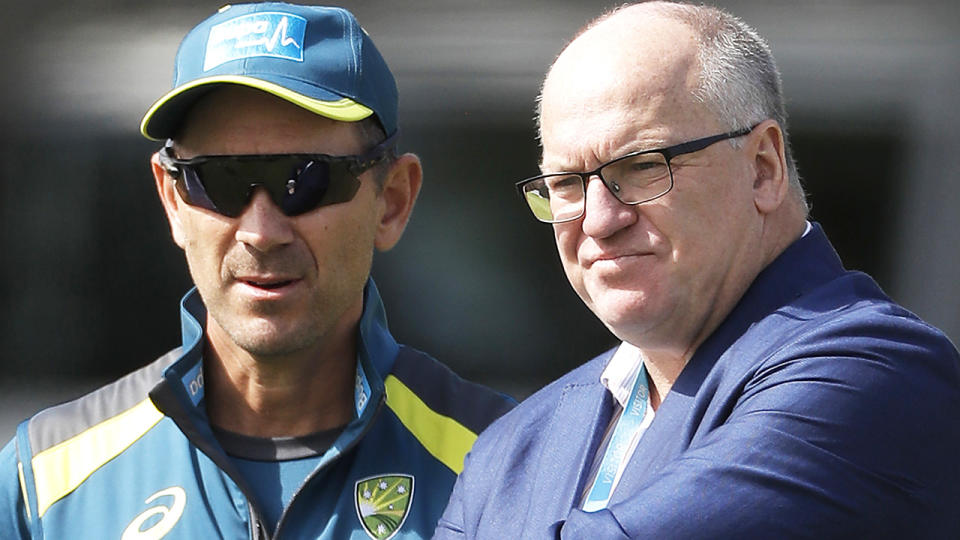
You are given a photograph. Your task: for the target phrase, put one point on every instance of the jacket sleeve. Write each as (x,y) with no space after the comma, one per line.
(12,513)
(848,437)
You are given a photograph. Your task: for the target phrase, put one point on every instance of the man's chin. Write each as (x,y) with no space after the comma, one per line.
(266,338)
(265,349)
(625,313)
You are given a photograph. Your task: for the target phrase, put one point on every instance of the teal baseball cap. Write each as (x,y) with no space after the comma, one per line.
(318,58)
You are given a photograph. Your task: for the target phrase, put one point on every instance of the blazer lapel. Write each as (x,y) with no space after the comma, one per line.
(807,263)
(660,444)
(567,452)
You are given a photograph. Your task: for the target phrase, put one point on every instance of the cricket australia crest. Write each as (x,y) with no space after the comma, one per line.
(383,503)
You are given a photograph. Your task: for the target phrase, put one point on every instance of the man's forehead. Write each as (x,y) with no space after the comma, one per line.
(240,120)
(237,100)
(576,139)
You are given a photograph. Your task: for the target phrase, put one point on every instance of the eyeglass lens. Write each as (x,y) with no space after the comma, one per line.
(632,180)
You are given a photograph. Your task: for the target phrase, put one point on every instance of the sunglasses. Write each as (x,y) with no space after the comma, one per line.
(296,183)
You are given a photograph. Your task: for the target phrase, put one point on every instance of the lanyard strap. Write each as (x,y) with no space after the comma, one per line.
(628,424)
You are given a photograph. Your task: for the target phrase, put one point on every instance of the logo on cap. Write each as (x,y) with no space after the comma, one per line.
(275,34)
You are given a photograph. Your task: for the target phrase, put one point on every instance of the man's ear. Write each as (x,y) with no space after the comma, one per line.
(169,199)
(398,195)
(772,181)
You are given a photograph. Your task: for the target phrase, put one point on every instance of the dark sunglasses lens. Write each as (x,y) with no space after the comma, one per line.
(193,190)
(315,184)
(226,186)
(343,185)
(311,182)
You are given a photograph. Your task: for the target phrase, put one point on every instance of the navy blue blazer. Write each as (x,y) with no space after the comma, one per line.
(818,409)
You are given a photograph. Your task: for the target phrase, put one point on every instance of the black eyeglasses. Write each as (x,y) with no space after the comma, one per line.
(635,178)
(296,183)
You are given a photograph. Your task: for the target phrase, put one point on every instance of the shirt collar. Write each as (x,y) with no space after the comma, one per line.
(621,372)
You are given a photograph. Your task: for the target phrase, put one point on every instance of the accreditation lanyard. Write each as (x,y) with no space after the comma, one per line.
(628,424)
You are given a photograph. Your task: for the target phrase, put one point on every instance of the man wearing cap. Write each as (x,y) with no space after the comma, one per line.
(289,411)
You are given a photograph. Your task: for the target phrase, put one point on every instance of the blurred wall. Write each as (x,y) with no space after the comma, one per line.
(91,278)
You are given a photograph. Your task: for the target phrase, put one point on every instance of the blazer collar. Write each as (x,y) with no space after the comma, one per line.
(806,264)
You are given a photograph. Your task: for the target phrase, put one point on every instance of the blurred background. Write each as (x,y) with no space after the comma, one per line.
(91,279)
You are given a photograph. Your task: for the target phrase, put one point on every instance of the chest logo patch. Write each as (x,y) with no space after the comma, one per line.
(383,503)
(156,522)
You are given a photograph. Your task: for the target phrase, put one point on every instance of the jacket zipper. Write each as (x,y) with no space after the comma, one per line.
(315,472)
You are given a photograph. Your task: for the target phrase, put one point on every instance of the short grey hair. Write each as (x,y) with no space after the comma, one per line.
(739,81)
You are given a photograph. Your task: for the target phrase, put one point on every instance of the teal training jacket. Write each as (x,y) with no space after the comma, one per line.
(137,460)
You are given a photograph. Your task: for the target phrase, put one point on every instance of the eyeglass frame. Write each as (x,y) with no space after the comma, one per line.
(668,153)
(356,164)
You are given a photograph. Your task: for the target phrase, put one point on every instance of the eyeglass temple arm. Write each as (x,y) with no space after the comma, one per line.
(378,152)
(166,159)
(700,144)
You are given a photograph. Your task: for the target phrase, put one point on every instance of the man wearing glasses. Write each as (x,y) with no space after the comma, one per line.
(289,411)
(761,390)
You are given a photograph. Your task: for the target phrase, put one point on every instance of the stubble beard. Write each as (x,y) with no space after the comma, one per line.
(270,333)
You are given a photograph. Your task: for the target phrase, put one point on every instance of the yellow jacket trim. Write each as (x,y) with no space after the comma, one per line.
(442,436)
(23,489)
(60,469)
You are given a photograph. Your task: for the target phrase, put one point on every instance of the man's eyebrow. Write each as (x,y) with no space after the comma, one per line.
(544,169)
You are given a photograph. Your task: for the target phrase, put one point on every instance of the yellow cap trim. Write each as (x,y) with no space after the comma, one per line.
(445,438)
(344,109)
(60,469)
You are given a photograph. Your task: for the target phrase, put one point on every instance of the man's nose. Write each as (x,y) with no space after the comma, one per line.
(604,214)
(262,225)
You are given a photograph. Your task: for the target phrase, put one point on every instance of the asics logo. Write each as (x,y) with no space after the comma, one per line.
(168,516)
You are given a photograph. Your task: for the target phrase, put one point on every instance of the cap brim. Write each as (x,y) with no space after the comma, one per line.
(163,118)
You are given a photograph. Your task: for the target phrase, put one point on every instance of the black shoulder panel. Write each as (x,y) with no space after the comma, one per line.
(472,405)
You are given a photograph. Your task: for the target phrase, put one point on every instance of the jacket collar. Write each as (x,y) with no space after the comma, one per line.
(805,265)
